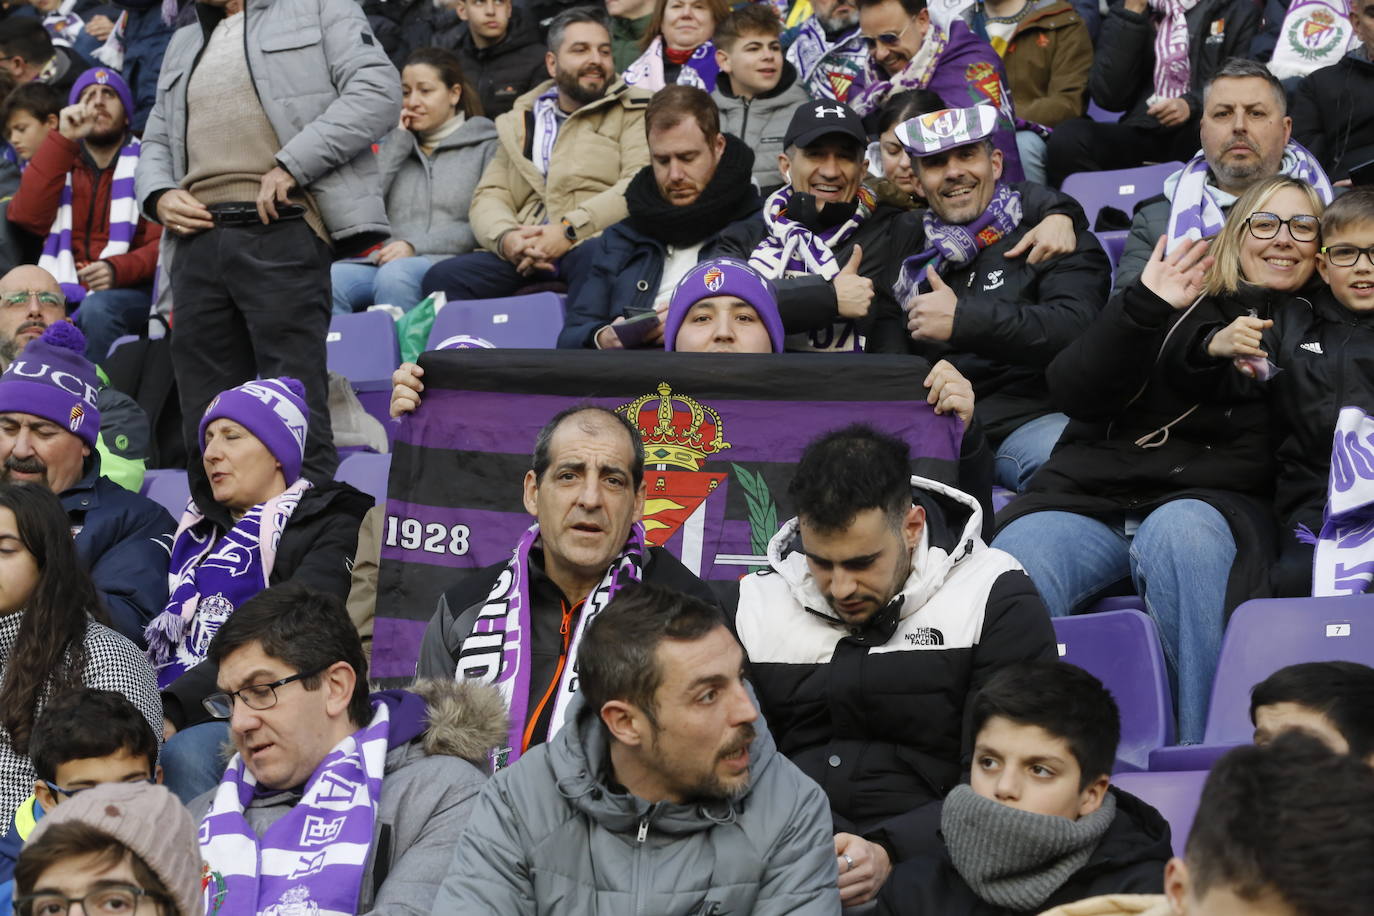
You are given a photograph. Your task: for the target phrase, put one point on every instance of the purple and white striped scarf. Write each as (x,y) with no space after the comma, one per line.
(1173,69)
(953,246)
(1343,561)
(793,250)
(498,649)
(1198,207)
(313,859)
(700,70)
(57,256)
(210,576)
(546,123)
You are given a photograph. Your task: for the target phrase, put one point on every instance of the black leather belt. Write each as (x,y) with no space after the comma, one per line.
(243,213)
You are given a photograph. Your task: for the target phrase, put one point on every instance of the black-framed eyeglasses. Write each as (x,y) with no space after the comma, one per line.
(886,39)
(1302,228)
(254,696)
(70,793)
(111,900)
(1347,255)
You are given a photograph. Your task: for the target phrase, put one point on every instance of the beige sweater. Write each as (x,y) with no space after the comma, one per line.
(230,144)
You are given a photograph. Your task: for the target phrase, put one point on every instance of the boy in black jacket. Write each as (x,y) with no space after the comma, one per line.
(1038,824)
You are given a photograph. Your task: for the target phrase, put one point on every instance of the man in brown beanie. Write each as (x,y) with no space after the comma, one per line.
(117,848)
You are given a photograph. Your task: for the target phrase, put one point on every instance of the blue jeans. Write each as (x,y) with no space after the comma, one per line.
(1031,146)
(193,761)
(1029,445)
(1179,558)
(356,286)
(108,315)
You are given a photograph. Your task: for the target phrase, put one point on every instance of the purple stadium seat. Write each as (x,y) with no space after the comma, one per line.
(168,488)
(1122,188)
(1098,113)
(1262,637)
(362,347)
(1121,649)
(1118,603)
(1174,795)
(1000,497)
(530,322)
(367,471)
(1113,243)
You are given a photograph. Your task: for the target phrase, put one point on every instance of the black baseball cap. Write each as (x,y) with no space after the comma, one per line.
(813,120)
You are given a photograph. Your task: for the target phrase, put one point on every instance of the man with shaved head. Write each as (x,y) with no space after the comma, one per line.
(47,392)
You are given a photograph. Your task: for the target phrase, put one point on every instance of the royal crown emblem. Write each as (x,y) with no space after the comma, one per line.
(679,432)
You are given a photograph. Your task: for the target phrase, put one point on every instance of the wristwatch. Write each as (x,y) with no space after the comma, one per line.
(569,232)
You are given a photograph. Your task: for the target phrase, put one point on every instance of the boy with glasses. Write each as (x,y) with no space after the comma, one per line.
(84,738)
(1323,396)
(337,799)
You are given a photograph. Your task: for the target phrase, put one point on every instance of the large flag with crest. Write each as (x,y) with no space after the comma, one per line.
(721,436)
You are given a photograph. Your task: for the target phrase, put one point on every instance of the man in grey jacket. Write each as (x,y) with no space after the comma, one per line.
(256,159)
(664,794)
(337,800)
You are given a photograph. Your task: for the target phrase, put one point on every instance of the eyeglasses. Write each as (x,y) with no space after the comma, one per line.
(1302,228)
(886,39)
(70,793)
(21,297)
(112,900)
(1347,255)
(254,696)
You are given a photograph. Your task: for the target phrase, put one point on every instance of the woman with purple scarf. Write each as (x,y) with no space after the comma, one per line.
(678,47)
(267,525)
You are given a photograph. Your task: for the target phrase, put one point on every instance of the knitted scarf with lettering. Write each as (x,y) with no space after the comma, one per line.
(57,250)
(952,246)
(1343,561)
(498,651)
(1173,68)
(700,70)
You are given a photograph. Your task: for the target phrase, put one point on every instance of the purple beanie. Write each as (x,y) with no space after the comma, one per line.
(51,379)
(724,277)
(104,76)
(273,409)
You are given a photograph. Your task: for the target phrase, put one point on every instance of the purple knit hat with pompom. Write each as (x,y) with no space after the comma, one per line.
(273,409)
(51,379)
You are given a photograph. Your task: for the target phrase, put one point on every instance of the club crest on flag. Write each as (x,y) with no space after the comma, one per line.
(1314,36)
(983,77)
(679,434)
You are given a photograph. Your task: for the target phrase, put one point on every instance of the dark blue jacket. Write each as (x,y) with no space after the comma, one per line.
(125,541)
(627,267)
(145,41)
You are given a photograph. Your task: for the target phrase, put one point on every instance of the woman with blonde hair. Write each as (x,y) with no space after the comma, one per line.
(1151,486)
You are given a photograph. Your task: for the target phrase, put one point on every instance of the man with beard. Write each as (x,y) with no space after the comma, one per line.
(664,794)
(828,52)
(567,152)
(49,420)
(967,297)
(1245,139)
(78,192)
(30,300)
(882,612)
(695,187)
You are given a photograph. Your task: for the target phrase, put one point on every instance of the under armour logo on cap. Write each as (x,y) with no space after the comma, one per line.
(838,111)
(811,122)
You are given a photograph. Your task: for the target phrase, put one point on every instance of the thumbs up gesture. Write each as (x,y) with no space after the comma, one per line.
(930,316)
(853,293)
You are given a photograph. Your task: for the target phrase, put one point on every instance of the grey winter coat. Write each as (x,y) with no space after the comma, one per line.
(1150,222)
(761,122)
(550,836)
(325,85)
(428,792)
(427,197)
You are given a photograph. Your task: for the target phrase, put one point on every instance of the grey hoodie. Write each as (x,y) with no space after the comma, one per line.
(551,836)
(427,197)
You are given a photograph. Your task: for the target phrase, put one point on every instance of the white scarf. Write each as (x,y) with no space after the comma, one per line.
(546,124)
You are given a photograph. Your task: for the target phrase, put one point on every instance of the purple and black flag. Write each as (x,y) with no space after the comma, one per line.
(721,436)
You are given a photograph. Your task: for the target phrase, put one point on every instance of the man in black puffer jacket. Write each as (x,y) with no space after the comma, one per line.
(501,51)
(1038,825)
(1333,108)
(695,187)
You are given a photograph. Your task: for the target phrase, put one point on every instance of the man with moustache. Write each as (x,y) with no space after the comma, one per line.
(829,52)
(567,152)
(49,419)
(663,794)
(78,193)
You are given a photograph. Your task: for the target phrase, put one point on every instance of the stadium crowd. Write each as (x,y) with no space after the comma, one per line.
(1174,403)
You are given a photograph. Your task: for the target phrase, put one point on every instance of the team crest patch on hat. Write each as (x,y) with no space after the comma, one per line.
(102,76)
(713,278)
(77,416)
(928,134)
